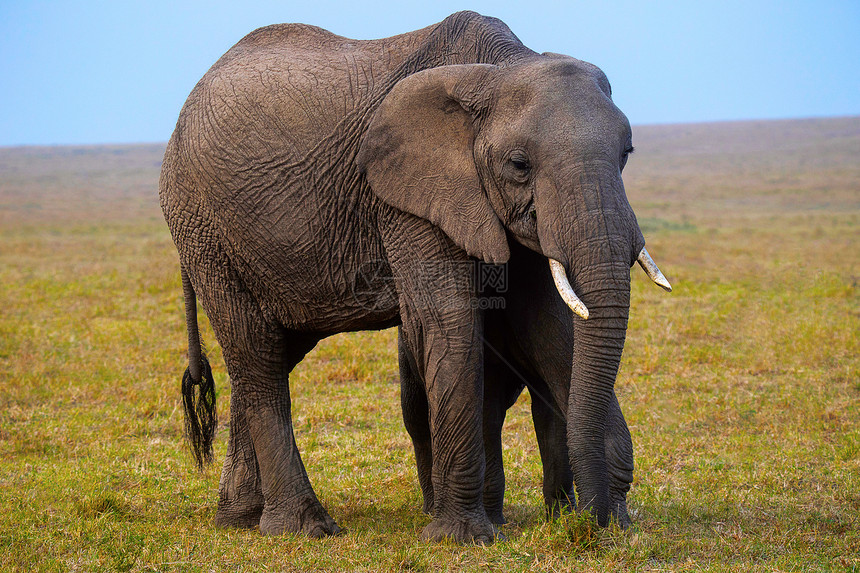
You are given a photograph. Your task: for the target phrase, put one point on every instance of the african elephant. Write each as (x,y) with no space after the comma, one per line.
(316,184)
(528,342)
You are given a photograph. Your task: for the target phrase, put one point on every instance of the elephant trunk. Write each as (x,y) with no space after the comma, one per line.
(591,232)
(598,345)
(597,354)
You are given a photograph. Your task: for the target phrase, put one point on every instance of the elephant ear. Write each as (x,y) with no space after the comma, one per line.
(417,155)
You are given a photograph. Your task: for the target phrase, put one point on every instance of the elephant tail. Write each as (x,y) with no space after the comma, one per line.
(201,417)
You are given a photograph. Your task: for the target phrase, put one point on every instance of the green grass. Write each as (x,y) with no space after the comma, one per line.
(741,387)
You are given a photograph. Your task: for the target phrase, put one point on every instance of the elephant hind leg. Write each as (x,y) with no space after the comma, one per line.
(290,503)
(416,418)
(551,431)
(262,398)
(264,480)
(504,380)
(240,492)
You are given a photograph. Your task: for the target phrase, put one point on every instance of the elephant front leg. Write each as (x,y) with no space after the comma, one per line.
(503,383)
(453,376)
(494,478)
(458,459)
(443,329)
(550,427)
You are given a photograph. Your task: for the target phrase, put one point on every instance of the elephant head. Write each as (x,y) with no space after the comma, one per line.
(531,152)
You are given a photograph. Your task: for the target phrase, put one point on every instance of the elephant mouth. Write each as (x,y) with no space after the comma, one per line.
(559,276)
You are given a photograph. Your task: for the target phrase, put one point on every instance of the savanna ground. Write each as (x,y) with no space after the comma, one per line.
(740,387)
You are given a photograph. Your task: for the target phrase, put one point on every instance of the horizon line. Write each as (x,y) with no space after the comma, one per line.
(4,146)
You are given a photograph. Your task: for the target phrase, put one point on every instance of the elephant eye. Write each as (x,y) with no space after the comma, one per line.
(630,149)
(517,168)
(520,162)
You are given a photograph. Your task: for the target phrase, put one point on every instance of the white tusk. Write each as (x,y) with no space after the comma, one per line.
(650,267)
(565,290)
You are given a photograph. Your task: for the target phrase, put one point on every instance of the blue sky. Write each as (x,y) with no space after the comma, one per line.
(118,72)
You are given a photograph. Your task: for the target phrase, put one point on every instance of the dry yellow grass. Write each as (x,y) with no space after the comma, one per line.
(741,387)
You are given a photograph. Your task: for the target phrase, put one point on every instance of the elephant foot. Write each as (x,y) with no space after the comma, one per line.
(245,515)
(497,517)
(462,531)
(305,516)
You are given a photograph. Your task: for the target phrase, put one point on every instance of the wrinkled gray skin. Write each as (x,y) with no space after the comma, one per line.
(528,342)
(311,182)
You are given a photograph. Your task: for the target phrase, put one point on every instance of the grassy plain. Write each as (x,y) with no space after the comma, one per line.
(741,387)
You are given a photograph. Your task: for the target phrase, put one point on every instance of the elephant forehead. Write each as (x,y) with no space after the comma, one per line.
(557,74)
(561,115)
(551,95)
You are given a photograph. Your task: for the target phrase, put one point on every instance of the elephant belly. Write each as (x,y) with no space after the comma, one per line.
(319,272)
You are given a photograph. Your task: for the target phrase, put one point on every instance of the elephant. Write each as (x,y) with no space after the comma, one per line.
(315,184)
(528,341)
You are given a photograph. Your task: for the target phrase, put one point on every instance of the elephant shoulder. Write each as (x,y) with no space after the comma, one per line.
(482,38)
(295,36)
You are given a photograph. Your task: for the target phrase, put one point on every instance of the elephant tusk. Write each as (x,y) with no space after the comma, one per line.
(650,267)
(565,290)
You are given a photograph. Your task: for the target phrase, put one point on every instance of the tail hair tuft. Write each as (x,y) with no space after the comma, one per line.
(201,416)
